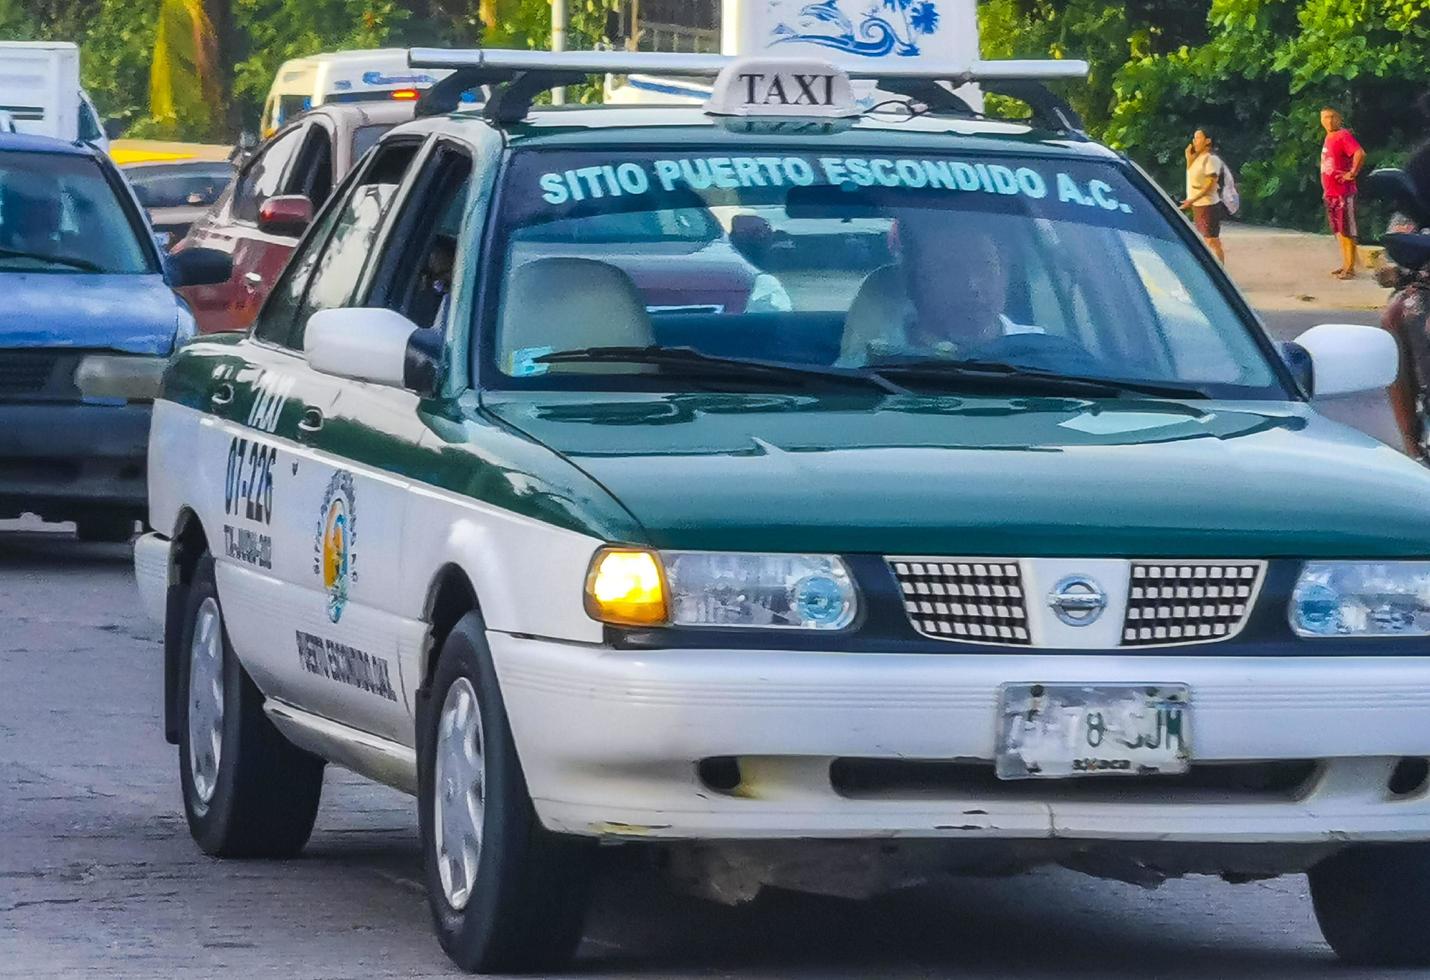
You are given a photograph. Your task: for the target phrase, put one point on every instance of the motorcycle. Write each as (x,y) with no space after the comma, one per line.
(1407,313)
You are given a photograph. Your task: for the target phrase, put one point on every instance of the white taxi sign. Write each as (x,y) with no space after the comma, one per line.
(804,87)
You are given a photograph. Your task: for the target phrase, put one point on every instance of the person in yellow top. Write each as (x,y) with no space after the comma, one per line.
(1204,169)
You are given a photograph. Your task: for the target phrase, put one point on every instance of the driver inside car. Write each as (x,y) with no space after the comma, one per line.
(945,298)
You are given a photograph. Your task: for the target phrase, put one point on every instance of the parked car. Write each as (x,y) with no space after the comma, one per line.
(87,324)
(965,563)
(266,209)
(178,193)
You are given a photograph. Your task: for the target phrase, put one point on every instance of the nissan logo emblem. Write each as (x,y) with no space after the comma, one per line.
(1077,600)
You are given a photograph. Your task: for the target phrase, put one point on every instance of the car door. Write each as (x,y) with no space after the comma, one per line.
(313,640)
(258,257)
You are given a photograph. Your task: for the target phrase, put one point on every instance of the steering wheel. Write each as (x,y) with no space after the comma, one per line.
(1040,351)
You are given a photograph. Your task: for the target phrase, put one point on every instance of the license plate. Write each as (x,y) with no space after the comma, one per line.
(1048,731)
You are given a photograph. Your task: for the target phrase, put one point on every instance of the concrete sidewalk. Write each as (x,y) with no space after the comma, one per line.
(1290,270)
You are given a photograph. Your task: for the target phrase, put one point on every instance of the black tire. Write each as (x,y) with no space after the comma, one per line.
(106,528)
(265,797)
(527,902)
(1372,903)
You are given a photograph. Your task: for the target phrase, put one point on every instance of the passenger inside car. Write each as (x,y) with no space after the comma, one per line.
(33,222)
(434,291)
(948,295)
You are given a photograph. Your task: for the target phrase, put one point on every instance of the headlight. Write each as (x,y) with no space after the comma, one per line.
(1335,598)
(701,588)
(128,376)
(768,296)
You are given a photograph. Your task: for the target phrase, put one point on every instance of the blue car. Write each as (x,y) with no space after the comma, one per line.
(88,319)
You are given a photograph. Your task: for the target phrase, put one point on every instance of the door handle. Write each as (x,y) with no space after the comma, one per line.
(222,395)
(312,421)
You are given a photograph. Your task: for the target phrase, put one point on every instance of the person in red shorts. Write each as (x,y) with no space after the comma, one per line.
(1341,160)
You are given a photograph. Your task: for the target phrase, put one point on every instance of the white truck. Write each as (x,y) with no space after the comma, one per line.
(40,92)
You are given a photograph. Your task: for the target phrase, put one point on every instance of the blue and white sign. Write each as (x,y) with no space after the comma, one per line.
(854,32)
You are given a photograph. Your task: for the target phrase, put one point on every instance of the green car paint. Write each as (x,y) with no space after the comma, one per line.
(986,476)
(851,472)
(447,444)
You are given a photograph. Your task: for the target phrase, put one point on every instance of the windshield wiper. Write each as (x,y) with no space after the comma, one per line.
(1000,374)
(689,357)
(82,264)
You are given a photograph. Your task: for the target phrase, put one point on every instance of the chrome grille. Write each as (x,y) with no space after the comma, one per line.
(1189,601)
(977,601)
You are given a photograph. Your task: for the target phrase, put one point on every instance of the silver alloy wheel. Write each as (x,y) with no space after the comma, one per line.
(206,701)
(459,786)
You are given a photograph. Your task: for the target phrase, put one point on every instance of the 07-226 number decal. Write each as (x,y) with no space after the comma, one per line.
(248,488)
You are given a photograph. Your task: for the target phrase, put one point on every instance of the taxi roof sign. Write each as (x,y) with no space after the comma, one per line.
(800,87)
(659,63)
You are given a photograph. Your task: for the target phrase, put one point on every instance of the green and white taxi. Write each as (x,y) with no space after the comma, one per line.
(822,489)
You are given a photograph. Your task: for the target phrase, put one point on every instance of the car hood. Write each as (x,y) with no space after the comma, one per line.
(135,314)
(981,476)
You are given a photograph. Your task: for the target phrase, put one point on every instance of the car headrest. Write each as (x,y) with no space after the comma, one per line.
(882,299)
(561,304)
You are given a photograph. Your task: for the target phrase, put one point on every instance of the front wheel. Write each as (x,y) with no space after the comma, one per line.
(1372,903)
(248,791)
(507,895)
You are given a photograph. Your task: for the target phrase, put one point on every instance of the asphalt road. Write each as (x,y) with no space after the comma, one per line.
(98,875)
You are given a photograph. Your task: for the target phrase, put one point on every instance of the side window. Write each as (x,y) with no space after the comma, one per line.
(275,320)
(262,178)
(416,274)
(355,225)
(312,176)
(89,129)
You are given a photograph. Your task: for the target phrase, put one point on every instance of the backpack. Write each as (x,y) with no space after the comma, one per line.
(1226,186)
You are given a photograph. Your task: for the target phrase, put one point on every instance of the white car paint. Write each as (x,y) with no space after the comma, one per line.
(645,719)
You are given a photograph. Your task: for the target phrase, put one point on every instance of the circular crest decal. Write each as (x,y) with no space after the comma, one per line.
(333,549)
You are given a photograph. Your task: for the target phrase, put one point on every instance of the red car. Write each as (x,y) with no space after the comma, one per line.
(259,220)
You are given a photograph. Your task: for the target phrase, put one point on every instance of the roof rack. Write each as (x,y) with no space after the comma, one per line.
(518,77)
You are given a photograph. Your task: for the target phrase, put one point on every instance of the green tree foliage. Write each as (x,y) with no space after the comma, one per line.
(1255,71)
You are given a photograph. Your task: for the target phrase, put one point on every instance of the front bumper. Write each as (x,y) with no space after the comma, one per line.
(610,743)
(61,458)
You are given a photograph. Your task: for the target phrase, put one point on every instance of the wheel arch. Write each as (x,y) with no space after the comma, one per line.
(188,544)
(450,596)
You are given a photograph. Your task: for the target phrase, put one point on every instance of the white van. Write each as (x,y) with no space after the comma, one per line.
(342,76)
(40,92)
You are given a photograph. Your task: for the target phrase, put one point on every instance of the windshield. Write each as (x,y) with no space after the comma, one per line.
(58,213)
(180,185)
(906,267)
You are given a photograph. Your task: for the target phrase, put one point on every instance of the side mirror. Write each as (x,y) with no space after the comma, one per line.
(1298,359)
(114,128)
(199,267)
(374,344)
(751,235)
(287,215)
(1347,358)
